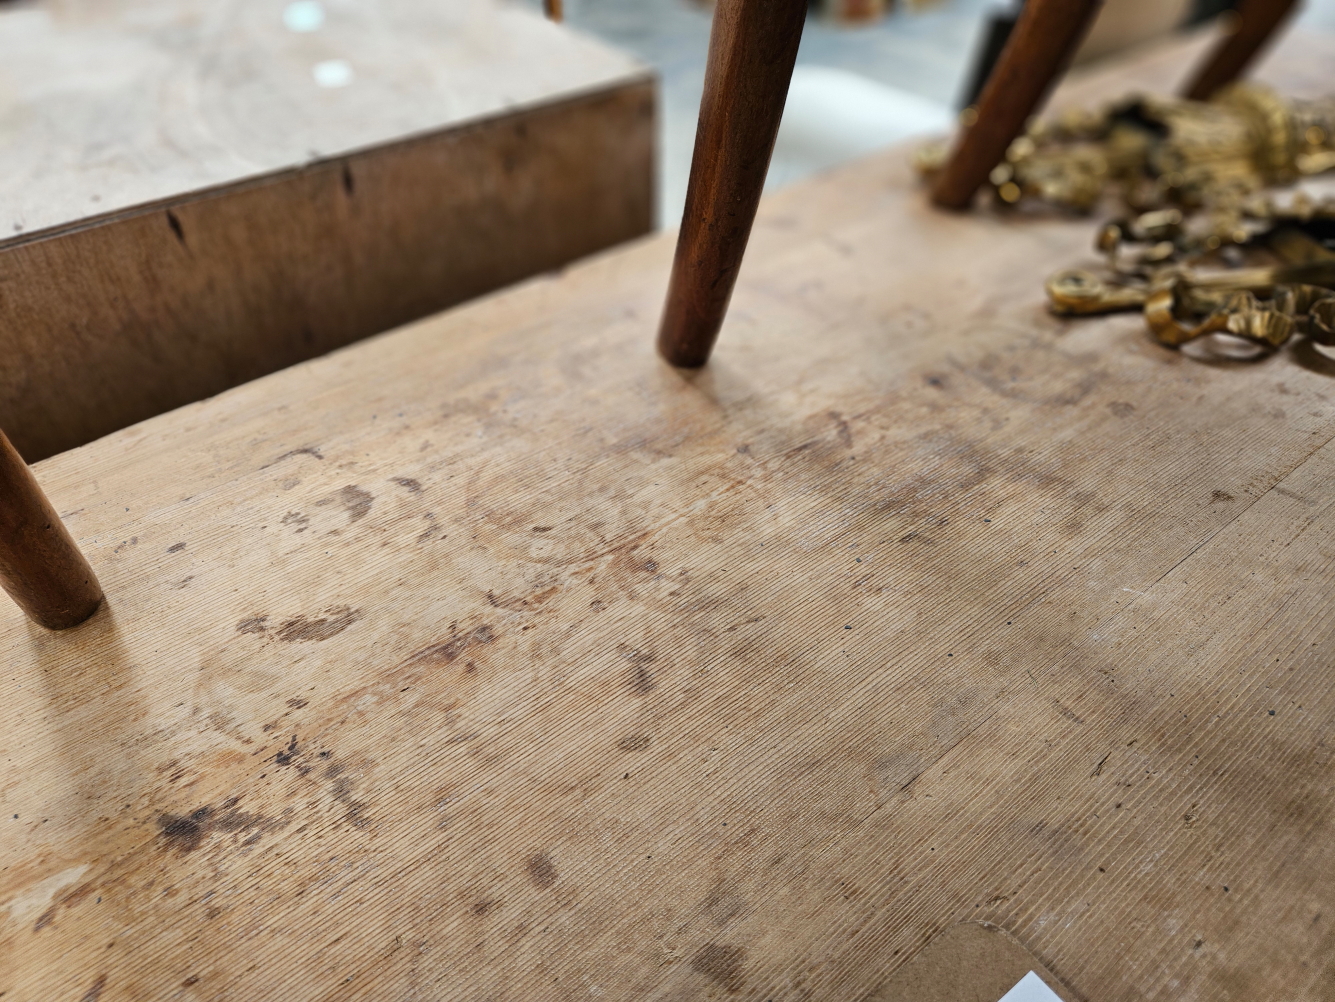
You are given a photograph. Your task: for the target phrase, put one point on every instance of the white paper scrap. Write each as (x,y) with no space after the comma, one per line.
(1030,988)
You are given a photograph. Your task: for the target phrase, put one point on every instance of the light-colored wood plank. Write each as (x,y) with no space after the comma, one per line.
(492,658)
(115,104)
(190,210)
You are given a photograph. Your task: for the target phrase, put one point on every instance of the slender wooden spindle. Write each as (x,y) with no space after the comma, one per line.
(555,9)
(752,48)
(1044,39)
(40,565)
(1253,24)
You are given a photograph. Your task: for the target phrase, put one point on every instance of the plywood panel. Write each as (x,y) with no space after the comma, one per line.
(492,658)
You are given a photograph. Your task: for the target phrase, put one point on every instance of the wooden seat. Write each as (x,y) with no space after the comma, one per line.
(187,205)
(497,658)
(257,214)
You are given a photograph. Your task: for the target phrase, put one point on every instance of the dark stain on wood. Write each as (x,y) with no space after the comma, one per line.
(187,832)
(721,964)
(256,624)
(356,501)
(289,753)
(634,742)
(408,483)
(641,678)
(541,869)
(95,991)
(330,624)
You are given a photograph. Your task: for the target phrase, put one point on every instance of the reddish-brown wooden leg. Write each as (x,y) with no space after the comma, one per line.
(40,566)
(752,49)
(555,9)
(1042,42)
(1254,22)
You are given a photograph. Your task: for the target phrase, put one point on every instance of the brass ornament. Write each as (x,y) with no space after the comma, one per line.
(1201,245)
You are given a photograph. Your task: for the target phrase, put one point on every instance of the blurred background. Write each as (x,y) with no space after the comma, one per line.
(869,73)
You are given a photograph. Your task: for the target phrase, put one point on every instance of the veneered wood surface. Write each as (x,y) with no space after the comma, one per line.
(494,658)
(248,219)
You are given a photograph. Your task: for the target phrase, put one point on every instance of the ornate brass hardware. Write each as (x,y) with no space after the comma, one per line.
(1200,246)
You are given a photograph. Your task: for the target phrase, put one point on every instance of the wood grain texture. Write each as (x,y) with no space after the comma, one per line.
(1253,25)
(969,962)
(752,48)
(41,569)
(1045,36)
(106,322)
(494,658)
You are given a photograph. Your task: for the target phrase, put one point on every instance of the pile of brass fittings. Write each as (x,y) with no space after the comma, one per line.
(1202,244)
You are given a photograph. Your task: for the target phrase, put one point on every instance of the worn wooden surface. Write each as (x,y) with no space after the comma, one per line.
(494,658)
(184,208)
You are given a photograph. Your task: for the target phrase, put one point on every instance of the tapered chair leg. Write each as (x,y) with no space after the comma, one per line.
(554,9)
(40,566)
(1254,22)
(1044,39)
(752,49)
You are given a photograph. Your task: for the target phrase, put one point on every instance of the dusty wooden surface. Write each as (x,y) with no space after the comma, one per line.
(183,208)
(494,658)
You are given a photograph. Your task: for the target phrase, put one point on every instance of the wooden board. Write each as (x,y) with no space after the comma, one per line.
(969,962)
(184,208)
(494,659)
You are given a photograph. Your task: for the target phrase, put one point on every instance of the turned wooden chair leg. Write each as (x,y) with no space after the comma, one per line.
(1043,40)
(40,565)
(1254,22)
(752,48)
